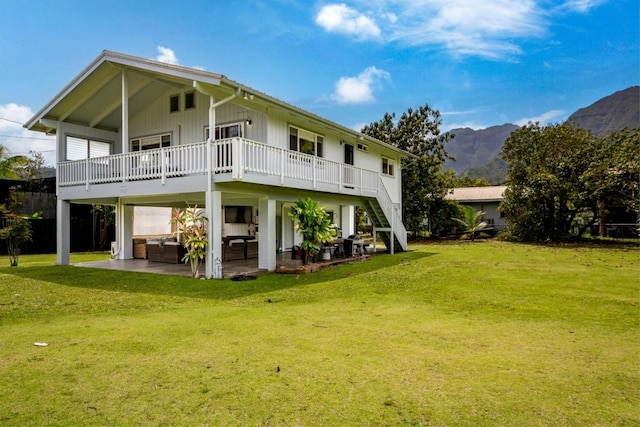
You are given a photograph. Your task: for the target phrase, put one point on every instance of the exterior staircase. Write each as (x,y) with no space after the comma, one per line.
(386,220)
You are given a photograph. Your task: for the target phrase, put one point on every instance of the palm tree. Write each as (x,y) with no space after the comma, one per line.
(9,164)
(471,220)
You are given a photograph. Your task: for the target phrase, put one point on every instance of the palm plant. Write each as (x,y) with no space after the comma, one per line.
(471,220)
(10,164)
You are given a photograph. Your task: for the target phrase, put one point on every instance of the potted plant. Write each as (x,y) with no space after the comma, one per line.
(191,230)
(314,224)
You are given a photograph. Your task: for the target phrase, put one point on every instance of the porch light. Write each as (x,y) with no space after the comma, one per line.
(248,121)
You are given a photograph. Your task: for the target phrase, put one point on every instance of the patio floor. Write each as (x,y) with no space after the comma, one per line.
(229,268)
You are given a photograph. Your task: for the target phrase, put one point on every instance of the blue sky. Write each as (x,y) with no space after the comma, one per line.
(480,63)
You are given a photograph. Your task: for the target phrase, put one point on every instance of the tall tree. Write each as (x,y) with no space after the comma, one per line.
(424,183)
(546,180)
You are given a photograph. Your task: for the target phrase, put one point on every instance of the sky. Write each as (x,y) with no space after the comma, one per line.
(479,63)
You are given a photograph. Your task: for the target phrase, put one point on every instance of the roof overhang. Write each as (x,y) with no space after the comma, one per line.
(94,97)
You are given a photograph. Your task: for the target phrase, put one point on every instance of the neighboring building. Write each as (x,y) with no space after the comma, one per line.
(486,199)
(133,132)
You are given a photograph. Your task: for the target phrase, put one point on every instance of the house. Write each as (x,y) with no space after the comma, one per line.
(486,199)
(133,132)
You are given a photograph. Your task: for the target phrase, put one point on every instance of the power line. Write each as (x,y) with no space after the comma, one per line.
(12,121)
(27,137)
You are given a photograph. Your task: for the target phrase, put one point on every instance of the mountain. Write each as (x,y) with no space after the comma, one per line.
(611,113)
(477,152)
(473,148)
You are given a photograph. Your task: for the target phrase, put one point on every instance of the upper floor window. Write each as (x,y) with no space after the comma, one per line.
(151,142)
(305,142)
(189,100)
(231,130)
(85,148)
(388,166)
(174,103)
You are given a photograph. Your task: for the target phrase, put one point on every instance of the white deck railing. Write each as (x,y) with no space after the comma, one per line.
(235,156)
(234,159)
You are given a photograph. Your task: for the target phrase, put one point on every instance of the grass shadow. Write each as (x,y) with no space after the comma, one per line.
(185,287)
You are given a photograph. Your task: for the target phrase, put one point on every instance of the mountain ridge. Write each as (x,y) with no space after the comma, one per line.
(477,152)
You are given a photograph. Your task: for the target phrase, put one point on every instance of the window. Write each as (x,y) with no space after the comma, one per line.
(225,131)
(306,142)
(189,100)
(174,103)
(151,142)
(84,148)
(388,167)
(362,147)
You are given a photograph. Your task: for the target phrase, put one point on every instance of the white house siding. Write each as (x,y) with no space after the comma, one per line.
(188,126)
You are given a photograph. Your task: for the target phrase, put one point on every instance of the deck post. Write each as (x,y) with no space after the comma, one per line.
(213,211)
(267,241)
(124,230)
(63,239)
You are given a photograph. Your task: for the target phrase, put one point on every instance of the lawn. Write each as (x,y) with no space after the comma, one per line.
(483,333)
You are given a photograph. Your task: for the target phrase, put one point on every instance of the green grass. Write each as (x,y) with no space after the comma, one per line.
(484,333)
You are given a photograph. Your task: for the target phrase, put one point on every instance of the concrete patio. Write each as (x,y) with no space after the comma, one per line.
(230,269)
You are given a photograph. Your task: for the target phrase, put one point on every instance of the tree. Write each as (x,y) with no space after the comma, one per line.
(314,224)
(191,227)
(103,217)
(16,230)
(468,181)
(9,165)
(546,186)
(471,220)
(424,183)
(611,178)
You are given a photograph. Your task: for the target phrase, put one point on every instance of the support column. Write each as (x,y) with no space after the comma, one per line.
(348,220)
(124,230)
(125,112)
(213,211)
(63,238)
(212,118)
(267,241)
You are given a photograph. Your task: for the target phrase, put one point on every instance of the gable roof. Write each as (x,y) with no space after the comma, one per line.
(94,97)
(477,194)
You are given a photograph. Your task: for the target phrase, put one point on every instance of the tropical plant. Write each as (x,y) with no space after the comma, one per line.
(191,228)
(9,165)
(471,220)
(314,224)
(16,230)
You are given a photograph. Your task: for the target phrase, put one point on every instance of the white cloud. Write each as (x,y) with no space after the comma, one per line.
(339,18)
(492,29)
(581,6)
(166,55)
(359,89)
(20,141)
(543,118)
(488,28)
